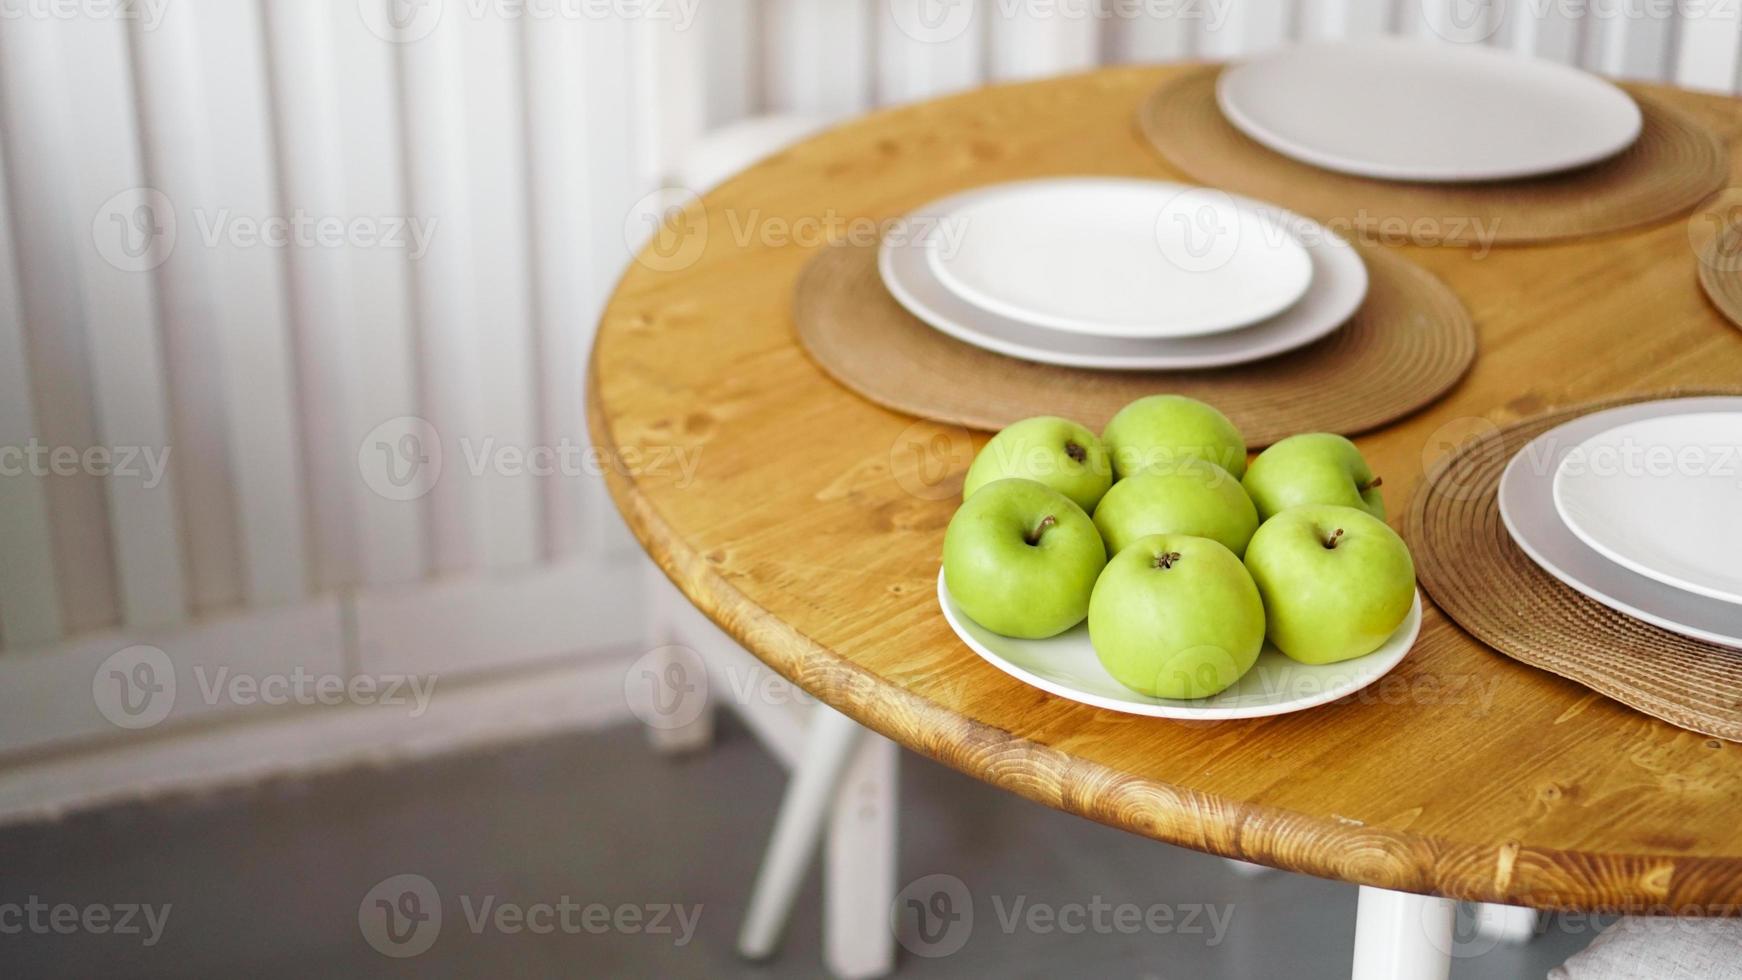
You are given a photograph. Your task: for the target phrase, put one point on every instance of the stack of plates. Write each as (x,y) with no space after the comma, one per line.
(1415,110)
(1640,508)
(1121,274)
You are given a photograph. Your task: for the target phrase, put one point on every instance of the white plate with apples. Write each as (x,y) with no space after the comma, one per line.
(1066,665)
(1203,587)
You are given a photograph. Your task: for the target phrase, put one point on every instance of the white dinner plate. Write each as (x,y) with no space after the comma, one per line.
(1066,665)
(1118,257)
(1528,509)
(1339,285)
(1404,109)
(1663,497)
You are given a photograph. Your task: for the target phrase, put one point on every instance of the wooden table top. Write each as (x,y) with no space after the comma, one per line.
(812,525)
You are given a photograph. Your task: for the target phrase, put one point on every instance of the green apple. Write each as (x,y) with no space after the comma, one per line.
(1336,581)
(1020,559)
(1163,429)
(1176,616)
(1050,450)
(1314,468)
(1189,497)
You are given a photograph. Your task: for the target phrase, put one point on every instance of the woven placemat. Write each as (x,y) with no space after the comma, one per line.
(1410,342)
(1721,272)
(1675,164)
(1485,583)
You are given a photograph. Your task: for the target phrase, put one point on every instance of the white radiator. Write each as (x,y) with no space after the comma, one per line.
(260,259)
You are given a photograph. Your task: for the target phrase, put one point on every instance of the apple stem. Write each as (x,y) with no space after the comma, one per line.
(1076,452)
(1034,535)
(1165,561)
(1331,542)
(1373,484)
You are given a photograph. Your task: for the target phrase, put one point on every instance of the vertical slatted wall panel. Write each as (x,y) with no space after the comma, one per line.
(1156,34)
(1710,46)
(29,598)
(91,236)
(204,98)
(465,173)
(818,56)
(1029,41)
(1555,32)
(338,132)
(43,224)
(1633,46)
(728,32)
(919,58)
(566,286)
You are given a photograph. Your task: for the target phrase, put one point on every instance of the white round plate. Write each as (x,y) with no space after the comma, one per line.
(1066,665)
(1663,497)
(1403,109)
(1339,285)
(1528,509)
(1118,257)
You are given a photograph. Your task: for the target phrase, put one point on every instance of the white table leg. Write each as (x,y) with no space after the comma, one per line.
(1505,923)
(1402,936)
(829,746)
(859,864)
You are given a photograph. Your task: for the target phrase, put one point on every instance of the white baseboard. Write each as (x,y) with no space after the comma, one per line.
(482,711)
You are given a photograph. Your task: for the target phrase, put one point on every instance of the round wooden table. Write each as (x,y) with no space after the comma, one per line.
(812,526)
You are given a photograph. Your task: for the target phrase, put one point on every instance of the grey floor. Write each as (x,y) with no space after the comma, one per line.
(269,882)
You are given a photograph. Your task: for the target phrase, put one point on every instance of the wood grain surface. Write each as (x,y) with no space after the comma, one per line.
(808,522)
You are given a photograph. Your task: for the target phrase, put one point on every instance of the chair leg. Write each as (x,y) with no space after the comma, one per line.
(1505,923)
(859,866)
(1402,936)
(1246,869)
(673,673)
(829,745)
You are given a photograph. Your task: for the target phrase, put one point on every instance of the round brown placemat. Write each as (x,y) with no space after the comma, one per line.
(1721,272)
(1486,584)
(1410,342)
(1673,165)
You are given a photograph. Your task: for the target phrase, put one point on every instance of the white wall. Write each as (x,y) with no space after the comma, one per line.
(290,385)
